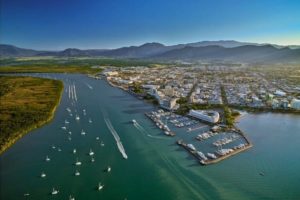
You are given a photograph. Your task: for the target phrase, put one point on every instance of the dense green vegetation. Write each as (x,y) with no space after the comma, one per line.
(50,69)
(25,103)
(73,61)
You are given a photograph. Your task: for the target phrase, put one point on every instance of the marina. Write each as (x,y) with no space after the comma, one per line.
(168,165)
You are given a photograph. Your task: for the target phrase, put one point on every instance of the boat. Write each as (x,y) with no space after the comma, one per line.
(77,173)
(53,147)
(71,198)
(70,133)
(67,122)
(134,121)
(77,117)
(102,144)
(97,138)
(26,194)
(91,152)
(77,162)
(191,147)
(54,191)
(108,169)
(262,173)
(64,128)
(59,149)
(92,159)
(90,121)
(83,133)
(100,187)
(74,151)
(211,155)
(68,109)
(43,175)
(47,159)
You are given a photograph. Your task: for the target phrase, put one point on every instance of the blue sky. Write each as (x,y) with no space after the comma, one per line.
(59,24)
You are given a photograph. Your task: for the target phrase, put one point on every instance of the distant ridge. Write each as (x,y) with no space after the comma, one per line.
(223,50)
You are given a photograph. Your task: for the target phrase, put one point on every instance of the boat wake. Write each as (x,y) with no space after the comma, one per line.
(89,86)
(142,130)
(116,137)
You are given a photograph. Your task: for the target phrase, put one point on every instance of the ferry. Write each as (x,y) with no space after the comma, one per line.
(77,162)
(100,187)
(54,191)
(77,173)
(47,159)
(43,175)
(91,152)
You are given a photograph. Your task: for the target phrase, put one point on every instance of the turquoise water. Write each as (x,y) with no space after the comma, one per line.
(156,167)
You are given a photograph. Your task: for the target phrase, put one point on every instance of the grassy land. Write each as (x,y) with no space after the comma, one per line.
(25,103)
(50,69)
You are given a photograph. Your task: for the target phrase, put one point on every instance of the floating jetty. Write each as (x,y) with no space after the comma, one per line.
(220,154)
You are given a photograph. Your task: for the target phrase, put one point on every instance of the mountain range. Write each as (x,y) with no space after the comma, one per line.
(223,50)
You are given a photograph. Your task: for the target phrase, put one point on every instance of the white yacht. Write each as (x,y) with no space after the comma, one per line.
(47,159)
(77,162)
(77,173)
(43,175)
(83,133)
(54,191)
(91,152)
(100,186)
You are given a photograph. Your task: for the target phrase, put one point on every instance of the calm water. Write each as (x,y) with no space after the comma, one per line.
(156,168)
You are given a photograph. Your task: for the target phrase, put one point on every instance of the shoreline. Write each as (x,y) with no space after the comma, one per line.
(20,134)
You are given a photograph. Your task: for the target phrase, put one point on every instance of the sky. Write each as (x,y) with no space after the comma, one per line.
(87,24)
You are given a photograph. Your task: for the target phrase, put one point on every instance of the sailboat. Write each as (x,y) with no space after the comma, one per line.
(77,162)
(54,191)
(47,159)
(91,152)
(100,186)
(43,175)
(77,173)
